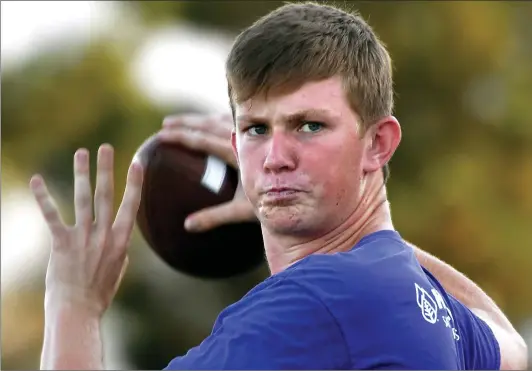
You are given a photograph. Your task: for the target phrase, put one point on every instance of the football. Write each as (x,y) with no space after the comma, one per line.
(178,182)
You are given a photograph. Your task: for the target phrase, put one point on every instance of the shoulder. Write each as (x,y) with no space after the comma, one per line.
(476,341)
(383,303)
(369,270)
(380,288)
(280,323)
(508,345)
(485,343)
(285,292)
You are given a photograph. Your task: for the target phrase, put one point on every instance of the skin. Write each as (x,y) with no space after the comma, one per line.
(339,199)
(310,173)
(87,261)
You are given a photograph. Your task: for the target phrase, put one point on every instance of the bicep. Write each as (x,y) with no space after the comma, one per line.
(283,327)
(480,346)
(512,347)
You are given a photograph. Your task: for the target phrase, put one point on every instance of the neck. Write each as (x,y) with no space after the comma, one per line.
(371,215)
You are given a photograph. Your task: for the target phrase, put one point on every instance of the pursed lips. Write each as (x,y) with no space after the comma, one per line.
(278,189)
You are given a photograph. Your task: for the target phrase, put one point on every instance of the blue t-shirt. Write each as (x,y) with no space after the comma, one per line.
(373,307)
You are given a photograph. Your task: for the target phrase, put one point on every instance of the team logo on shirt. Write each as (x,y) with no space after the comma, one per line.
(431,305)
(429,308)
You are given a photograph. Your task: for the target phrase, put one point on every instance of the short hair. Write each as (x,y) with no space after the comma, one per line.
(301,42)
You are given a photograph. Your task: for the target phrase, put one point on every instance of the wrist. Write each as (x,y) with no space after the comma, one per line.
(62,309)
(69,301)
(72,337)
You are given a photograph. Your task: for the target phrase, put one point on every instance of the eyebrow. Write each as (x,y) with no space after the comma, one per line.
(291,118)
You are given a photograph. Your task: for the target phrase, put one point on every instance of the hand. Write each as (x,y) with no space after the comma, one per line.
(88,259)
(212,135)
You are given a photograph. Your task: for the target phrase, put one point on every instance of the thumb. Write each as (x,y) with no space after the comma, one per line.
(235,211)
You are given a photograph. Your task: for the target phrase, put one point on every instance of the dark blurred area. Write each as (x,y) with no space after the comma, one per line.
(78,74)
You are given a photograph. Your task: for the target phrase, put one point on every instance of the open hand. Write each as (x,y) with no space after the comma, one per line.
(211,135)
(89,258)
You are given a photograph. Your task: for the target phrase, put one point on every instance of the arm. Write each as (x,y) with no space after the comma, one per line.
(513,348)
(87,261)
(72,340)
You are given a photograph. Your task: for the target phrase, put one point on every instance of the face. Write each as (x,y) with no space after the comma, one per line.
(302,159)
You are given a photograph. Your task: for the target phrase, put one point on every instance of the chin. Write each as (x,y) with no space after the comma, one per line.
(286,221)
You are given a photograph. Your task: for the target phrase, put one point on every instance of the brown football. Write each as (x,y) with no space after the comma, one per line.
(178,182)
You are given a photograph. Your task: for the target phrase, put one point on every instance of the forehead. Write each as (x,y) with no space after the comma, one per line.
(326,97)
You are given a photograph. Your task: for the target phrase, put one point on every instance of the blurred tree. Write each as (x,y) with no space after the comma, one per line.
(232,16)
(58,103)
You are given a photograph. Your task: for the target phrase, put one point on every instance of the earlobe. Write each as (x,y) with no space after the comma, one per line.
(384,138)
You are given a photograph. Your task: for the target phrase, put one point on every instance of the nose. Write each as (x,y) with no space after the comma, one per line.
(280,154)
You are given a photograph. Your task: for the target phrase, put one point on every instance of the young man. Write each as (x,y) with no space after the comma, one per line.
(312,98)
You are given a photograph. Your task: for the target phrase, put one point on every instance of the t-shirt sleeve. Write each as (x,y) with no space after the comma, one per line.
(481,348)
(274,327)
(422,335)
(397,331)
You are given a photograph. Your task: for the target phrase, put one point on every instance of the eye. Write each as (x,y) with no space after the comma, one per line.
(257,130)
(311,126)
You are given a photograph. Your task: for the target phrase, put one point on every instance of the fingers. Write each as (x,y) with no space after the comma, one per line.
(235,211)
(104,194)
(218,125)
(127,213)
(219,147)
(47,206)
(82,189)
(123,270)
(208,134)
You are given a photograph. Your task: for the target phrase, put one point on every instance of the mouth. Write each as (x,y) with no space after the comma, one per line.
(280,195)
(281,190)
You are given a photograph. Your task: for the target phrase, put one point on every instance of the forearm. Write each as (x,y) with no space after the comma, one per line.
(462,288)
(72,340)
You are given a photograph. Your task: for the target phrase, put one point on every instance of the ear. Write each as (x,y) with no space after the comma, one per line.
(234,147)
(383,139)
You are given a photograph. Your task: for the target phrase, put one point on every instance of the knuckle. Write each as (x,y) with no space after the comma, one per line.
(60,236)
(121,244)
(201,221)
(41,196)
(102,241)
(103,193)
(121,236)
(176,134)
(172,120)
(192,138)
(83,199)
(202,123)
(187,119)
(210,219)
(50,214)
(200,139)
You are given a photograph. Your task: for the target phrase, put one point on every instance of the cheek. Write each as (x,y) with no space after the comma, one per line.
(246,172)
(340,186)
(339,181)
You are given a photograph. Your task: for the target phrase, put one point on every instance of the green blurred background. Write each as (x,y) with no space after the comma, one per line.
(83,73)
